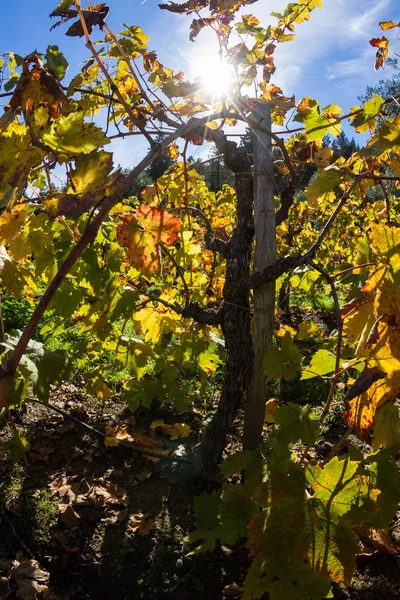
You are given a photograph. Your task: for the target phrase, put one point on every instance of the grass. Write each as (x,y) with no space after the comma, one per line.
(44,516)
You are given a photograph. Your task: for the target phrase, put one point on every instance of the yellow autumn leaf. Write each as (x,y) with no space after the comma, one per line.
(174,431)
(385,354)
(386,426)
(110,440)
(307,330)
(11,222)
(173,151)
(323,157)
(354,325)
(387,301)
(151,324)
(386,25)
(286,329)
(385,240)
(270,407)
(375,279)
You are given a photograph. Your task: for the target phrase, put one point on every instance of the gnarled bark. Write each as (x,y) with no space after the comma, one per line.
(234,313)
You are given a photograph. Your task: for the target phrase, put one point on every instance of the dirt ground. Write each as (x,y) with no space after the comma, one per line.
(88,521)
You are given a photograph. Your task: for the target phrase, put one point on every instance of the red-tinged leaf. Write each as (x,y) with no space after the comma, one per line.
(141,234)
(159,223)
(382,42)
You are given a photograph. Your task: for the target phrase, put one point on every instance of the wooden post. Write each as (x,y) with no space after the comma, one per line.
(264,297)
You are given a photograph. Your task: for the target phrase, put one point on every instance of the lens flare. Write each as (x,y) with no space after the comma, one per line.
(214,75)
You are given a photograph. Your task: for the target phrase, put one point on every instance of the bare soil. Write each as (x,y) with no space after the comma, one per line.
(86,521)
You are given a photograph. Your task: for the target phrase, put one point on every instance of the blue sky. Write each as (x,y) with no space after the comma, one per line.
(331,59)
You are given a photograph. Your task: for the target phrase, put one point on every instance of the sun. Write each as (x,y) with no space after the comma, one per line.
(214,75)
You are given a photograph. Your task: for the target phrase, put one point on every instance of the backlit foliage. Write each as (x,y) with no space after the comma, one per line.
(142,280)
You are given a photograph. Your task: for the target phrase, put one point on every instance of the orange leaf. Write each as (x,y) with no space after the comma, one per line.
(141,234)
(385,25)
(379,42)
(383,48)
(361,411)
(159,223)
(173,151)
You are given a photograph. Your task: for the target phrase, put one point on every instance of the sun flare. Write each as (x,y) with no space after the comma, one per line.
(214,75)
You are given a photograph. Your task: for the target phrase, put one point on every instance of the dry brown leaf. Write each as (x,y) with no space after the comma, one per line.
(29,569)
(41,451)
(68,516)
(57,594)
(28,589)
(59,485)
(4,587)
(31,580)
(110,493)
(66,427)
(142,524)
(232,590)
(119,432)
(376,540)
(122,515)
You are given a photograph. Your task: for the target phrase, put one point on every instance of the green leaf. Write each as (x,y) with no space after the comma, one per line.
(209,361)
(12,277)
(324,183)
(11,83)
(294,423)
(96,385)
(241,461)
(136,33)
(144,393)
(235,511)
(385,476)
(386,426)
(71,135)
(318,126)
(17,446)
(55,62)
(67,298)
(284,579)
(91,171)
(222,516)
(206,508)
(372,107)
(19,387)
(343,497)
(322,363)
(310,514)
(209,527)
(283,362)
(76,82)
(64,4)
(44,367)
